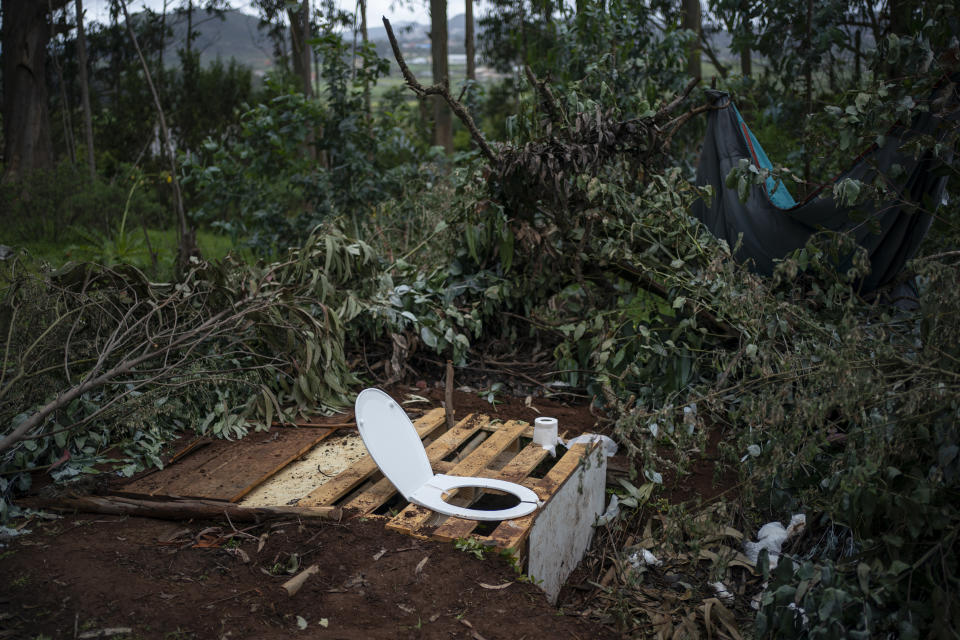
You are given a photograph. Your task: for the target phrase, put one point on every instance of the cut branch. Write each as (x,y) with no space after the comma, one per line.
(178,509)
(442,91)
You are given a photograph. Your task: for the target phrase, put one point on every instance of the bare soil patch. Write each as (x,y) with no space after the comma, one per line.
(161,579)
(196,580)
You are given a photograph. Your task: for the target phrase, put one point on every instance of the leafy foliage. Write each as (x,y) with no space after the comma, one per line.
(576,241)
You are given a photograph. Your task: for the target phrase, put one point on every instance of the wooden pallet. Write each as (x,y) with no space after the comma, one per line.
(476,446)
(225,470)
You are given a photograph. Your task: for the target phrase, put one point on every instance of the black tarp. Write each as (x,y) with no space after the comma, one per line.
(770,232)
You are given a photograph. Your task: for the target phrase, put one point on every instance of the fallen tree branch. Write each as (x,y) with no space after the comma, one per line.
(439,90)
(177,508)
(704,317)
(668,108)
(547,99)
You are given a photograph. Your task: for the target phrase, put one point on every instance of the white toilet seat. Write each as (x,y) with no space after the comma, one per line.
(393,443)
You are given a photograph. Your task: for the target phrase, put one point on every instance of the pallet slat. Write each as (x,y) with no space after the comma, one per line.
(413,519)
(362,469)
(381,492)
(224,470)
(516,470)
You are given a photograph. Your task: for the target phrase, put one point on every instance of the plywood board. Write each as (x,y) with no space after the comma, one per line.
(228,470)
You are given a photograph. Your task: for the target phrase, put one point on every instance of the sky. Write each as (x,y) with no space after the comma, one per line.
(396,11)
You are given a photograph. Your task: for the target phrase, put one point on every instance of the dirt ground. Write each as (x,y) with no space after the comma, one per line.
(83,574)
(196,580)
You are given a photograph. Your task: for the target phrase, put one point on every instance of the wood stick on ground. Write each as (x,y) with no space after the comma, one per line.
(177,508)
(439,90)
(612,571)
(448,396)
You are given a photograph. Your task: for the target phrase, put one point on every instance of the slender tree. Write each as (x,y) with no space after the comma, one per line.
(299,17)
(364,38)
(469,43)
(186,237)
(85,92)
(59,26)
(26,116)
(691,21)
(442,118)
(746,62)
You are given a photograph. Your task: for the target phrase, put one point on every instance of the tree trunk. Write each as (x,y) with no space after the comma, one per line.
(856,57)
(746,62)
(470,44)
(186,237)
(365,38)
(691,21)
(65,108)
(808,98)
(26,116)
(189,42)
(900,11)
(85,93)
(162,47)
(442,118)
(300,50)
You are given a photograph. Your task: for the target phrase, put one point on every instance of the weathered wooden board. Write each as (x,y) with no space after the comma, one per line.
(414,520)
(375,496)
(225,470)
(365,468)
(563,529)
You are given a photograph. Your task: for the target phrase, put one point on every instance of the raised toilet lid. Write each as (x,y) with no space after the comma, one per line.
(392,441)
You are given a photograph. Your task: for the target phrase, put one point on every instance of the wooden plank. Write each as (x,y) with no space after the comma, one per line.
(362,469)
(413,519)
(511,534)
(489,449)
(526,433)
(178,509)
(516,470)
(377,495)
(228,470)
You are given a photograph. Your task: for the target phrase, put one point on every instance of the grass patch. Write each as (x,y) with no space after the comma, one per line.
(163,242)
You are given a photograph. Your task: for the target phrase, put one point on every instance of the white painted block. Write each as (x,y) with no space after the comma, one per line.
(563,529)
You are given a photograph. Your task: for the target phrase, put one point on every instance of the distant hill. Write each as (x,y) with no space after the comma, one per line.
(238,36)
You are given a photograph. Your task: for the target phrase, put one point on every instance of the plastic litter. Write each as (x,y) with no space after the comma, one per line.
(722,592)
(7,533)
(609,446)
(608,516)
(643,557)
(771,537)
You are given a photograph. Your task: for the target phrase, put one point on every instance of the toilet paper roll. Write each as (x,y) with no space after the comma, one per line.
(545,432)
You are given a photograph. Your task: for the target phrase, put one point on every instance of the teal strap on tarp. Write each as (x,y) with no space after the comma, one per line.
(763,230)
(777,191)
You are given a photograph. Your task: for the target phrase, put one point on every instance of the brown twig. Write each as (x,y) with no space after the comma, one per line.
(667,109)
(439,90)
(448,396)
(679,121)
(546,96)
